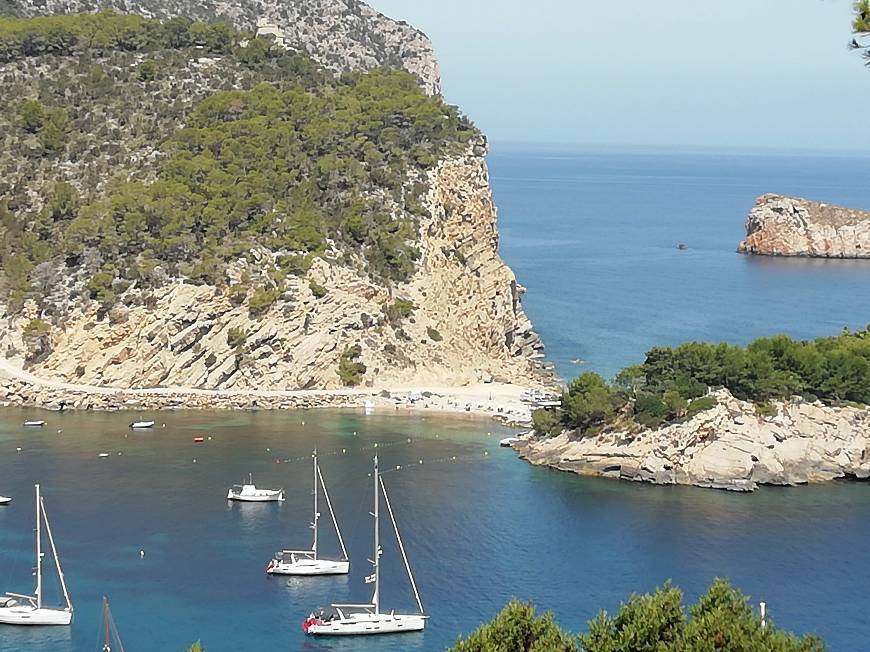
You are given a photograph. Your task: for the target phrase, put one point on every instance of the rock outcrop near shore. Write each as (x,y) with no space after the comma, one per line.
(726,447)
(338,34)
(787,226)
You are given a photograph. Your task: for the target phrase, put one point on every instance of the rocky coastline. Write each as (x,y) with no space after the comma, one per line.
(728,447)
(789,226)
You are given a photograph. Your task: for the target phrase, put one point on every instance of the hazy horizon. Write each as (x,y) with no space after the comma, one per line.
(769,76)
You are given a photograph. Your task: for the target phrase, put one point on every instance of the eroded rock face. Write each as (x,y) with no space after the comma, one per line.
(726,447)
(468,325)
(787,226)
(339,34)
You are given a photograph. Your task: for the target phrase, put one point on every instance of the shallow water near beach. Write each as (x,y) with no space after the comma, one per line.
(478,529)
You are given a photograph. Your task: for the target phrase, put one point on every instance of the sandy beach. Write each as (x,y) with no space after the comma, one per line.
(500,401)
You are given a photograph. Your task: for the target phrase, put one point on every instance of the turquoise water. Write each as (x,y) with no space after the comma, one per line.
(592,235)
(478,531)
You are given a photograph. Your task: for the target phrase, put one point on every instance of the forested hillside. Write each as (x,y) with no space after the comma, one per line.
(139,150)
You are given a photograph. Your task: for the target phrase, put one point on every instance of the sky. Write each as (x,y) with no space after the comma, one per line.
(769,74)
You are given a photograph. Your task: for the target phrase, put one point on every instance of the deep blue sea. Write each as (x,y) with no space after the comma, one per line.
(591,235)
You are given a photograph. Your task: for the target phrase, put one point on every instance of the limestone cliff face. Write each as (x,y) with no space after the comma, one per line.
(338,34)
(786,226)
(726,447)
(468,324)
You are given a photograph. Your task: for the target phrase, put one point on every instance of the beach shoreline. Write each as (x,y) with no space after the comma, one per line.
(499,401)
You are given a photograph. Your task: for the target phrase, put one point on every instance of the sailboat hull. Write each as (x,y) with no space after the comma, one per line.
(308,567)
(367,624)
(25,614)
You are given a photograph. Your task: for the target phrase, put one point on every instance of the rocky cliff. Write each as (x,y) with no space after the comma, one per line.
(468,324)
(787,226)
(726,447)
(338,34)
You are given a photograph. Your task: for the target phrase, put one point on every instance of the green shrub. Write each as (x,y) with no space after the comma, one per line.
(36,328)
(701,405)
(147,70)
(31,116)
(295,264)
(237,294)
(398,311)
(765,409)
(262,299)
(434,335)
(517,628)
(350,370)
(317,290)
(236,338)
(547,422)
(589,403)
(100,288)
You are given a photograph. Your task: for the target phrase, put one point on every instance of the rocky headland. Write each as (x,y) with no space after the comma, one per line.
(727,447)
(788,226)
(378,268)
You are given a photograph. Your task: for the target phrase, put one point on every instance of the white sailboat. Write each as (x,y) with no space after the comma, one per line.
(357,619)
(250,494)
(17,609)
(141,425)
(306,562)
(111,637)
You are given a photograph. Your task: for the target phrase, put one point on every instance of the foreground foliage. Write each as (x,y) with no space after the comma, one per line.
(672,383)
(721,619)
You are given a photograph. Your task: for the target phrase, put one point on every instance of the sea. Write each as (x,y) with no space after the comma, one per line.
(592,235)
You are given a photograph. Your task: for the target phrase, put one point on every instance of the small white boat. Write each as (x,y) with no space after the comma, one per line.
(250,494)
(306,562)
(508,441)
(18,609)
(357,619)
(4,500)
(34,424)
(141,425)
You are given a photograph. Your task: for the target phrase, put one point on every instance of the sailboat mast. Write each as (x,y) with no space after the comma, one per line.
(402,548)
(38,549)
(376,599)
(56,557)
(314,491)
(332,514)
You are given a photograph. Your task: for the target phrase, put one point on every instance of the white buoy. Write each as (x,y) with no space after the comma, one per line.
(194,460)
(209,437)
(60,431)
(421,461)
(141,554)
(18,450)
(303,423)
(163,425)
(763,606)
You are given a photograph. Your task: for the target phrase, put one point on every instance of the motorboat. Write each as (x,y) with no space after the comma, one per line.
(359,619)
(5,500)
(34,423)
(251,494)
(308,562)
(508,441)
(141,425)
(19,609)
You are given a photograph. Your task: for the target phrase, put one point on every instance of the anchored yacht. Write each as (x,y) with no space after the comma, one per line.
(307,562)
(356,619)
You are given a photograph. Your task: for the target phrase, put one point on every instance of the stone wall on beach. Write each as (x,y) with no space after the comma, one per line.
(727,447)
(788,226)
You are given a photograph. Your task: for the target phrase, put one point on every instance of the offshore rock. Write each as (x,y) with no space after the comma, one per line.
(787,226)
(726,447)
